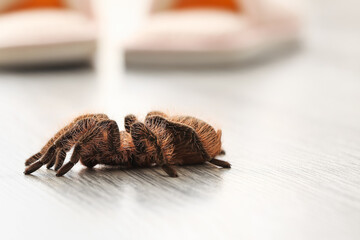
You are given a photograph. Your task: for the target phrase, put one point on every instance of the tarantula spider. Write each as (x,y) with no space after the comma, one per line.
(160,141)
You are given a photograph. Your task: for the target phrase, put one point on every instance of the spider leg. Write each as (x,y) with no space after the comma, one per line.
(113,134)
(44,160)
(33,158)
(91,142)
(141,134)
(110,129)
(59,160)
(129,121)
(220,163)
(75,157)
(38,155)
(51,163)
(57,152)
(170,170)
(69,139)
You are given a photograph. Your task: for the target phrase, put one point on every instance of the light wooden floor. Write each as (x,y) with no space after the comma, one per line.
(291,129)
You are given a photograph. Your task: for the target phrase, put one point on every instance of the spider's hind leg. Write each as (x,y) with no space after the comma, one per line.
(220,163)
(170,170)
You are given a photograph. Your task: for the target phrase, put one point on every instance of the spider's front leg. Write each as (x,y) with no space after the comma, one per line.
(62,142)
(65,129)
(103,139)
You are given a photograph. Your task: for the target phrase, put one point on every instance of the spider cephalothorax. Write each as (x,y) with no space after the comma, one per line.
(161,140)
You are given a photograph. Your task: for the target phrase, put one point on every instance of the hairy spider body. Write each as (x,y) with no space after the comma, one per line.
(161,140)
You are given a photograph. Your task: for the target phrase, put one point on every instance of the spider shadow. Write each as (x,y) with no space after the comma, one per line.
(104,186)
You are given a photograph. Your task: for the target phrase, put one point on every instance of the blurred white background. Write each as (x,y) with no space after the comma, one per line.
(290,129)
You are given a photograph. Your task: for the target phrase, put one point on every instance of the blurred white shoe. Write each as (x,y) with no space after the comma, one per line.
(211,32)
(46,32)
